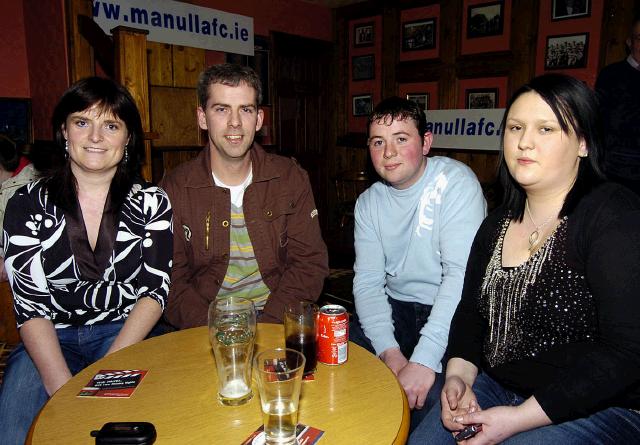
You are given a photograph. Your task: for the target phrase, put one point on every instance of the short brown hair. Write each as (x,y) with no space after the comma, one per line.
(230,74)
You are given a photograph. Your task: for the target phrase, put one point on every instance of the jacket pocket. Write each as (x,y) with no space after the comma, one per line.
(275,215)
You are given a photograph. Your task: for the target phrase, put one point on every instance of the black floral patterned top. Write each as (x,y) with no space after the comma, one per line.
(54,274)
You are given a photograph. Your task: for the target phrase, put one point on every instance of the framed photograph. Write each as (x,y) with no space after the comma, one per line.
(485,20)
(419,35)
(422,99)
(363,34)
(362,104)
(566,51)
(15,119)
(480,98)
(363,67)
(570,9)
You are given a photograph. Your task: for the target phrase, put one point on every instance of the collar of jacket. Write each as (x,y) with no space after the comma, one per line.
(264,169)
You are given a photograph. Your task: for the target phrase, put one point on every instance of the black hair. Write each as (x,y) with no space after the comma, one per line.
(396,109)
(230,74)
(46,157)
(576,108)
(9,154)
(113,98)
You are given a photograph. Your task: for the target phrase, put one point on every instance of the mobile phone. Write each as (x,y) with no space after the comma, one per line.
(468,432)
(125,433)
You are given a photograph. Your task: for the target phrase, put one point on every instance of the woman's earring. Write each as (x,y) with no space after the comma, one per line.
(66,149)
(125,158)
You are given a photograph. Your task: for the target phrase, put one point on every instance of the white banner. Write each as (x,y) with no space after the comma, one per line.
(179,23)
(466,129)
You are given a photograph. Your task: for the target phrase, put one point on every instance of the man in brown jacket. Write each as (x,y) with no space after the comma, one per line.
(245,221)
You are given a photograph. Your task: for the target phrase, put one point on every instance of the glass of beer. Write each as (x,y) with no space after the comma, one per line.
(300,330)
(232,332)
(279,382)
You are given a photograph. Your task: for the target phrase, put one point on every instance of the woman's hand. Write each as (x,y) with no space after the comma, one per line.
(498,424)
(144,315)
(457,399)
(501,422)
(41,342)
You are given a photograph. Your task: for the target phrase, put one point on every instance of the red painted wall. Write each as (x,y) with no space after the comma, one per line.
(33,45)
(591,24)
(47,56)
(290,16)
(14,74)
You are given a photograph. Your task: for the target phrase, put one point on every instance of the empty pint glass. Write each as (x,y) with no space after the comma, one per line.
(279,373)
(232,332)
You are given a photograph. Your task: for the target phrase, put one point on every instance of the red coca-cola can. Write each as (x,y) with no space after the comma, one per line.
(333,335)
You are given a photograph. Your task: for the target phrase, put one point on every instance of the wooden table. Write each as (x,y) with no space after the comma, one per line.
(359,402)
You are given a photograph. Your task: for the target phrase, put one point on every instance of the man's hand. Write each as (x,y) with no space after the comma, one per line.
(417,380)
(394,359)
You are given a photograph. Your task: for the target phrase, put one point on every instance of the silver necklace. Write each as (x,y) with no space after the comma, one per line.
(534,238)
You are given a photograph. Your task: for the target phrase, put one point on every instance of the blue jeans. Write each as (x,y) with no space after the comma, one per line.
(609,426)
(22,393)
(408,320)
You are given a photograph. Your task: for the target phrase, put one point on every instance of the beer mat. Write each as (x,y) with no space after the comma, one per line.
(113,383)
(306,435)
(280,365)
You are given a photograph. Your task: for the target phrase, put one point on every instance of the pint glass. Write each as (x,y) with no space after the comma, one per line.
(232,332)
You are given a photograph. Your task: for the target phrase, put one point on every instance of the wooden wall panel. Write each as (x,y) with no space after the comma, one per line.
(131,71)
(160,63)
(81,62)
(188,63)
(173,116)
(8,330)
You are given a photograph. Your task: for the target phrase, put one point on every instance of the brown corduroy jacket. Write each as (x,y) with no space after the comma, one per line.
(281,218)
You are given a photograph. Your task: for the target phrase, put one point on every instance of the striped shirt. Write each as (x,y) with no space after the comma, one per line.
(243,278)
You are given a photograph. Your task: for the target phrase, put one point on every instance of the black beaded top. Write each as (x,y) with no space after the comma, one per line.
(537,305)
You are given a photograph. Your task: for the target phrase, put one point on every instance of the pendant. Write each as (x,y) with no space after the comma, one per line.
(533,239)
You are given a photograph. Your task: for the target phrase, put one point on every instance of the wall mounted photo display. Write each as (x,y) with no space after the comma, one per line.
(481,98)
(363,67)
(363,34)
(484,20)
(419,35)
(422,99)
(566,51)
(570,9)
(362,104)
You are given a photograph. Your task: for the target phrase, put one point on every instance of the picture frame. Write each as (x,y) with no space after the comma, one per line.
(485,20)
(566,51)
(15,119)
(481,98)
(419,35)
(363,34)
(363,67)
(422,99)
(362,104)
(570,9)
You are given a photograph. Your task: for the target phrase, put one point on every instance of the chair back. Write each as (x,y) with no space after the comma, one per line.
(349,185)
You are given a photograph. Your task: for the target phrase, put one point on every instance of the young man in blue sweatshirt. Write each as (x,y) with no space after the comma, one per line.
(413,233)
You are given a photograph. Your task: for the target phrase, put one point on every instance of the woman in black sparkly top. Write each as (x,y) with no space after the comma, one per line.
(546,339)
